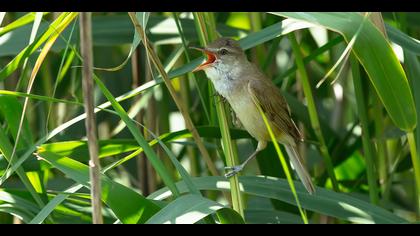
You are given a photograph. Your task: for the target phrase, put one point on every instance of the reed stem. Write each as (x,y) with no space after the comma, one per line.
(88,98)
(313,114)
(366,138)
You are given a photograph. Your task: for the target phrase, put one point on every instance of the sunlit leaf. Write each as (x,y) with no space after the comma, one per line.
(378,59)
(339,205)
(129,206)
(187,209)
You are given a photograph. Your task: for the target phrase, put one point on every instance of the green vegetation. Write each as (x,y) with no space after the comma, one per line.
(165,136)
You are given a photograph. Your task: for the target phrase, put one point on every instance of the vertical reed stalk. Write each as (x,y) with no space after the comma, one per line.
(141,160)
(259,52)
(415,158)
(91,132)
(151,120)
(413,69)
(145,172)
(381,147)
(207,29)
(366,138)
(313,115)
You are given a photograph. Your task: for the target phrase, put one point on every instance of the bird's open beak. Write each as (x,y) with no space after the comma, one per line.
(211,57)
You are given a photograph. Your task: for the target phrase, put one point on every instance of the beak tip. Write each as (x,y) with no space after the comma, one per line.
(196,69)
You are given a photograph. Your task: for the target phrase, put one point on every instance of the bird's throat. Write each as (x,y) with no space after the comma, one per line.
(224,83)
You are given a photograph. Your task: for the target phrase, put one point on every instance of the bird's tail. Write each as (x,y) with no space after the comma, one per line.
(300,169)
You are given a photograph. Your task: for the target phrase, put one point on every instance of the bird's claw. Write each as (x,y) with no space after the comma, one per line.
(233,170)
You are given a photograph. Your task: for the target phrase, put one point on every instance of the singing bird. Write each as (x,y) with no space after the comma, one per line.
(240,81)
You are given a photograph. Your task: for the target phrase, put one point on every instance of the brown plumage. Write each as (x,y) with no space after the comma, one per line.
(273,104)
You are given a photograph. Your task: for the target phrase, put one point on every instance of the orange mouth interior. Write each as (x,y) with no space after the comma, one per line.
(210,59)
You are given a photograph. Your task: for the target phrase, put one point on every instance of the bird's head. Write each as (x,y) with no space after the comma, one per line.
(222,53)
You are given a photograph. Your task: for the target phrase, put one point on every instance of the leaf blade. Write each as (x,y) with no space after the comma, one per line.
(339,205)
(129,206)
(377,57)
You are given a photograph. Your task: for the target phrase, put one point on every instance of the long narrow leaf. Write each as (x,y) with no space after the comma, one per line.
(378,59)
(61,21)
(187,209)
(339,205)
(129,206)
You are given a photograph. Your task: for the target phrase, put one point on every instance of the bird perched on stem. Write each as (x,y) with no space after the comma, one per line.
(239,81)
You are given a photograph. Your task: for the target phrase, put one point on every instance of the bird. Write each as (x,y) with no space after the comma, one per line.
(241,83)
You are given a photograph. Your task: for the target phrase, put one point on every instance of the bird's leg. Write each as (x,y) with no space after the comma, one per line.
(233,170)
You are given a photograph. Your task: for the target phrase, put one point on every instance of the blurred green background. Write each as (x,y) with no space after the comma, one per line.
(361,142)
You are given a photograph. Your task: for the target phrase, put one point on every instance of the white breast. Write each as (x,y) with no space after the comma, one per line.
(232,84)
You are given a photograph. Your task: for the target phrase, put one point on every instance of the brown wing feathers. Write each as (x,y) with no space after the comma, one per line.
(275,107)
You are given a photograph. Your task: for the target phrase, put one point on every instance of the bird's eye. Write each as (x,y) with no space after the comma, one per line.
(223,51)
